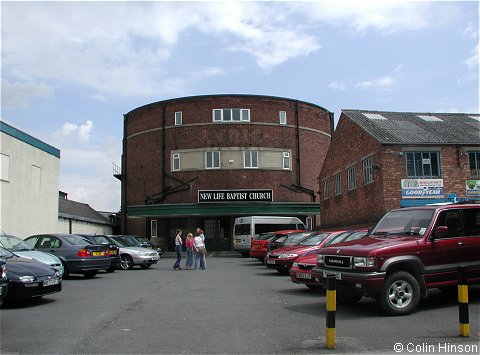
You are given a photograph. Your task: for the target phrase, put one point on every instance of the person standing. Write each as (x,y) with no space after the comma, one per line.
(200,250)
(178,249)
(189,247)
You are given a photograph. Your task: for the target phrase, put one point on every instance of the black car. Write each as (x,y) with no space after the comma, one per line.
(3,280)
(78,255)
(28,278)
(113,249)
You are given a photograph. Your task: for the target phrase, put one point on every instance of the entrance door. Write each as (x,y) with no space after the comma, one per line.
(216,237)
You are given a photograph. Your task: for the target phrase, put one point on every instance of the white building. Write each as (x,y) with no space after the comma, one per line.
(29,175)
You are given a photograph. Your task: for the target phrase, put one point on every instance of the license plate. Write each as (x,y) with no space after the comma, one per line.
(113,252)
(338,275)
(303,275)
(98,253)
(270,261)
(51,282)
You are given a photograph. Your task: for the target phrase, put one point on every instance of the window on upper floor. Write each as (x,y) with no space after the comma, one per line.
(326,189)
(250,158)
(367,165)
(422,164)
(176,162)
(212,159)
(337,179)
(231,115)
(474,164)
(286,161)
(282,116)
(178,118)
(352,177)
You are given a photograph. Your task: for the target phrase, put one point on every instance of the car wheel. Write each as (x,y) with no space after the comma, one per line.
(90,274)
(126,262)
(400,294)
(66,273)
(145,266)
(112,269)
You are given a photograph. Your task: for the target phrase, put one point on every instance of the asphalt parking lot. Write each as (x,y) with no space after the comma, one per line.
(236,306)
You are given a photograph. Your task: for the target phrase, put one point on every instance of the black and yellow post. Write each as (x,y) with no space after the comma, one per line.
(331,310)
(463,302)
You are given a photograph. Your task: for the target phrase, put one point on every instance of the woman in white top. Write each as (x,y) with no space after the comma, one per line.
(200,250)
(178,249)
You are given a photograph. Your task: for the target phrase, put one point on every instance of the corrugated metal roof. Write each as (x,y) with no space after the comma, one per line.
(411,128)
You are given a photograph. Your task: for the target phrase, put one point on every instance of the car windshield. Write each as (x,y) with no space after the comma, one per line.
(4,253)
(14,244)
(124,242)
(338,238)
(101,240)
(132,240)
(265,236)
(143,240)
(314,239)
(355,236)
(76,240)
(411,222)
(294,239)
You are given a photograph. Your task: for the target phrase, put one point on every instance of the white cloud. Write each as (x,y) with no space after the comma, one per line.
(19,94)
(337,85)
(473,61)
(81,133)
(383,83)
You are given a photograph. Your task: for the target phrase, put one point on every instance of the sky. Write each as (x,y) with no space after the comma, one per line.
(71,70)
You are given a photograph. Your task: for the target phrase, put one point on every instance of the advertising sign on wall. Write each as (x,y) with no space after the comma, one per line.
(472,188)
(235,196)
(422,188)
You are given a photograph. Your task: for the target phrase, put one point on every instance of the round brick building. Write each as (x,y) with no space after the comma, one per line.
(201,161)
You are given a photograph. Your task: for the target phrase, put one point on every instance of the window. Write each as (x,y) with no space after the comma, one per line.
(212,160)
(422,164)
(337,179)
(367,171)
(282,116)
(231,115)
(474,163)
(286,160)
(250,159)
(326,189)
(4,167)
(178,118)
(176,162)
(352,177)
(153,228)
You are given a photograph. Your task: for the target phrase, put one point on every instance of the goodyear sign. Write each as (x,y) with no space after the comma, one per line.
(422,188)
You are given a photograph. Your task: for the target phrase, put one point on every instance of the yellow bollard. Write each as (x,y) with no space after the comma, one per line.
(463,302)
(331,307)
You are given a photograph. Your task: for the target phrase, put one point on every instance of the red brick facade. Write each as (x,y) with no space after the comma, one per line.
(364,205)
(150,136)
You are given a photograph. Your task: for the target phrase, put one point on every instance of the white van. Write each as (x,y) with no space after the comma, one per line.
(248,228)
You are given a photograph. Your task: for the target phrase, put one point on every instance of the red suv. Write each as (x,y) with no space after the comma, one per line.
(409,251)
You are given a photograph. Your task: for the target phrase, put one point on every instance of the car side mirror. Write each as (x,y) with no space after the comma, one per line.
(440,232)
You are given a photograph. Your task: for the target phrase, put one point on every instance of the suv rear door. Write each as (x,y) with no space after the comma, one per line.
(471,217)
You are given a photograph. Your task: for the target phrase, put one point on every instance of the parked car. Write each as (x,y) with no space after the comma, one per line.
(78,256)
(301,270)
(281,259)
(409,251)
(3,280)
(28,278)
(131,255)
(136,241)
(21,248)
(113,249)
(259,246)
(287,239)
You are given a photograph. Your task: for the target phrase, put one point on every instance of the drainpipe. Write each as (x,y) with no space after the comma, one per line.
(297,133)
(164,152)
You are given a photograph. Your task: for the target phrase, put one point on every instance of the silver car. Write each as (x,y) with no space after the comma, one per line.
(21,248)
(131,255)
